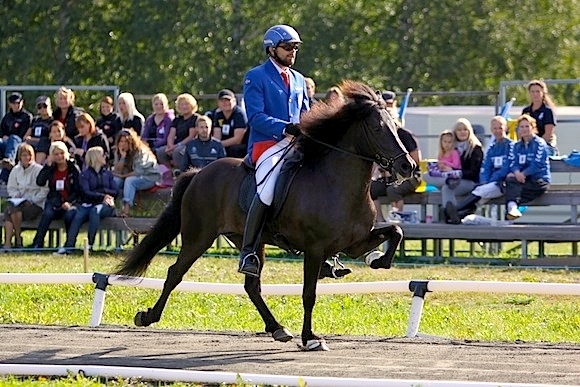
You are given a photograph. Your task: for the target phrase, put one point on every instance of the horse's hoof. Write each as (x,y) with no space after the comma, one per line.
(282,334)
(138,320)
(314,345)
(378,260)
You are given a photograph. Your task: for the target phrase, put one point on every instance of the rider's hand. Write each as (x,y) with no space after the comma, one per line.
(291,130)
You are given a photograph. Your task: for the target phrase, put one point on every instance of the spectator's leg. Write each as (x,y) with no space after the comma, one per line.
(94,221)
(12,146)
(132,185)
(8,232)
(68,217)
(438,182)
(513,192)
(531,190)
(178,157)
(47,217)
(119,183)
(82,214)
(163,157)
(17,223)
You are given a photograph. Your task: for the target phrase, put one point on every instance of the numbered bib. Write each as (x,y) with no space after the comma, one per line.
(498,161)
(522,159)
(226,129)
(60,185)
(37,131)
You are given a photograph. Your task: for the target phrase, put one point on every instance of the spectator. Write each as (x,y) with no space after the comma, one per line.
(98,198)
(230,125)
(64,190)
(87,138)
(129,116)
(136,167)
(109,122)
(66,112)
(13,126)
(493,173)
(310,90)
(386,186)
(529,174)
(157,125)
(471,154)
(181,132)
(448,160)
(542,109)
(390,99)
(40,127)
(204,149)
(26,197)
(56,133)
(6,166)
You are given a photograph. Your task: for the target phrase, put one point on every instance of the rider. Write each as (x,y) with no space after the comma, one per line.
(275,95)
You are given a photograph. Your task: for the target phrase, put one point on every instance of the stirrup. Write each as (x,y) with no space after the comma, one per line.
(338,270)
(250,265)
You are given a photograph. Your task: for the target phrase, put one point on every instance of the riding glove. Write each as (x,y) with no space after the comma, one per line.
(291,130)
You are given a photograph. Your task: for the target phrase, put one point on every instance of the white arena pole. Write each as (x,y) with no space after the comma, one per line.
(419,288)
(101,282)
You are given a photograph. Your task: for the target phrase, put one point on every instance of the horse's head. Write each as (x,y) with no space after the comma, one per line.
(361,126)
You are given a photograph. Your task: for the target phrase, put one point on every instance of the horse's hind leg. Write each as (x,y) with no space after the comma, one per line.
(193,247)
(252,285)
(393,234)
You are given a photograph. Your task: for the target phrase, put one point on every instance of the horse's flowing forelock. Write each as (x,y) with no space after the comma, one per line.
(328,122)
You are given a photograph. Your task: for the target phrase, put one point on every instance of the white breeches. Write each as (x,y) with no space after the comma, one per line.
(268,169)
(488,191)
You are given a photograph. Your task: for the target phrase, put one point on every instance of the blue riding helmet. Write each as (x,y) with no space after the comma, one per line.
(280,33)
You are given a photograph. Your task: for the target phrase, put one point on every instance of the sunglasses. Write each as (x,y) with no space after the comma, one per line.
(41,106)
(289,46)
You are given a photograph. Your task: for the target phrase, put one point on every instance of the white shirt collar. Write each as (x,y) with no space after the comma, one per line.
(280,70)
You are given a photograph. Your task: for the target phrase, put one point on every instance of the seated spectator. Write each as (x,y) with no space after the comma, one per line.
(493,172)
(542,109)
(529,174)
(87,138)
(471,153)
(135,169)
(385,185)
(26,198)
(56,133)
(109,122)
(98,198)
(129,116)
(66,112)
(204,149)
(181,132)
(310,90)
(64,191)
(6,166)
(157,125)
(13,127)
(230,125)
(40,126)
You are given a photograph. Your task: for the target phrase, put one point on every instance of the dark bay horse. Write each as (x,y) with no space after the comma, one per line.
(327,209)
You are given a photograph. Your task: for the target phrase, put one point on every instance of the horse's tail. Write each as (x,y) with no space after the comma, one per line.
(163,232)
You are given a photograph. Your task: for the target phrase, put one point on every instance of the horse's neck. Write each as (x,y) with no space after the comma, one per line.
(356,173)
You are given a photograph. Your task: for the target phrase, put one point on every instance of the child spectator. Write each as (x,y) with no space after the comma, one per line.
(40,127)
(98,198)
(135,169)
(529,175)
(56,133)
(448,161)
(109,122)
(64,190)
(26,197)
(204,149)
(88,137)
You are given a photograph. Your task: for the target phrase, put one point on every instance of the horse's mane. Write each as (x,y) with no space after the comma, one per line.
(327,122)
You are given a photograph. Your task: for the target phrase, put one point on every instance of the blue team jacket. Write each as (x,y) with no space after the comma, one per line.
(496,164)
(531,159)
(270,105)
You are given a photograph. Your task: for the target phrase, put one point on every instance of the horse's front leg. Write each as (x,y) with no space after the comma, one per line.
(252,286)
(312,264)
(393,234)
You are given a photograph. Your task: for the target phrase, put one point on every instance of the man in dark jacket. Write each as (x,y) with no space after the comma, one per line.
(13,126)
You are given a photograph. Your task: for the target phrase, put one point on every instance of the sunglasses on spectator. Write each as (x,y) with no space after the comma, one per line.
(289,46)
(41,106)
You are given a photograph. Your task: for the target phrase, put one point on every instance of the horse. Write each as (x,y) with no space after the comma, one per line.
(326,210)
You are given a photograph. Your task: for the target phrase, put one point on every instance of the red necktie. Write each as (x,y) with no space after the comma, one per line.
(285,78)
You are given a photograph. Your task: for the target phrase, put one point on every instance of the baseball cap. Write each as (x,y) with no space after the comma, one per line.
(226,93)
(43,99)
(388,96)
(15,97)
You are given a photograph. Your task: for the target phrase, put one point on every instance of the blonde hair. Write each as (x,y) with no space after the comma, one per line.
(501,121)
(68,93)
(25,148)
(444,133)
(190,99)
(161,97)
(546,95)
(59,145)
(472,140)
(132,111)
(531,120)
(92,156)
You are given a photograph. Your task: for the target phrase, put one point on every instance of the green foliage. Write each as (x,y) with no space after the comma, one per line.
(146,46)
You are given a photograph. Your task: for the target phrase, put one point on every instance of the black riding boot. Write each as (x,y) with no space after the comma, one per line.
(468,205)
(249,261)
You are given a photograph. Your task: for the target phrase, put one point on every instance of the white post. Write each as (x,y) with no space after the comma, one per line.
(101,281)
(415,316)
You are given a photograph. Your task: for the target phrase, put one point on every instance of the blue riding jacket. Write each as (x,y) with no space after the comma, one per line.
(531,159)
(496,164)
(270,105)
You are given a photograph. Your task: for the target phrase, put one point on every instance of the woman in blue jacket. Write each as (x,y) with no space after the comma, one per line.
(98,198)
(529,175)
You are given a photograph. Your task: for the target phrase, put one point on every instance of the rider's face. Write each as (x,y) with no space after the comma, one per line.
(285,53)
